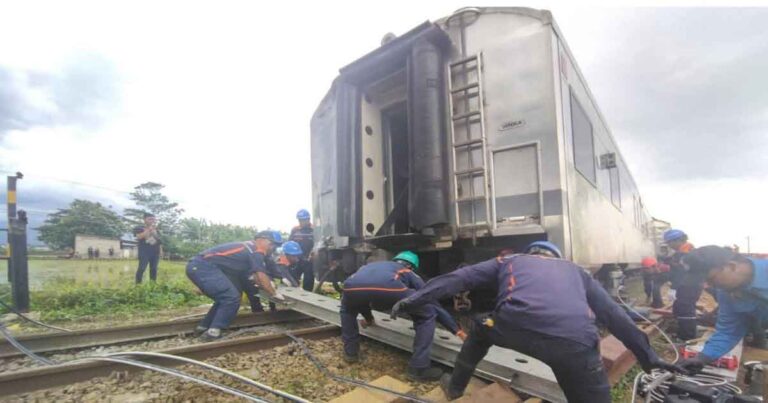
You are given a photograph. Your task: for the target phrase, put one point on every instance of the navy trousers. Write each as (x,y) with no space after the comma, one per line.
(578,368)
(150,259)
(215,284)
(304,267)
(361,302)
(684,309)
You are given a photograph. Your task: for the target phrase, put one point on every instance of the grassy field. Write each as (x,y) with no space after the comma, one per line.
(91,290)
(45,273)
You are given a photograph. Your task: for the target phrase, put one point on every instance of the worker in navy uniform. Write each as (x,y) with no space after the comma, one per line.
(546,308)
(741,285)
(653,279)
(379,285)
(303,234)
(149,247)
(687,288)
(279,269)
(216,272)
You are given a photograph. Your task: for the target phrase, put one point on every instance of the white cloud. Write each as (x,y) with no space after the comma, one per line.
(215,99)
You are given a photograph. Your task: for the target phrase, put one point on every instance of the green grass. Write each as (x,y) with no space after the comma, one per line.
(44,273)
(71,301)
(63,290)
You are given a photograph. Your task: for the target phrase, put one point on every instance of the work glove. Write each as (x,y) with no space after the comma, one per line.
(663,365)
(277,297)
(694,365)
(365,324)
(400,307)
(671,294)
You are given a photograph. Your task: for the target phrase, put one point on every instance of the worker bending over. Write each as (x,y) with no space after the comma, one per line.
(216,272)
(546,308)
(653,278)
(304,235)
(279,269)
(380,285)
(741,285)
(687,288)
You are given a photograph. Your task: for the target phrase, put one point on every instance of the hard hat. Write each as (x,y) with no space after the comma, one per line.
(673,235)
(546,245)
(292,248)
(408,257)
(302,215)
(272,236)
(648,261)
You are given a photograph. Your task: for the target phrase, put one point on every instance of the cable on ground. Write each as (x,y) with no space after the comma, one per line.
(322,368)
(658,381)
(28,319)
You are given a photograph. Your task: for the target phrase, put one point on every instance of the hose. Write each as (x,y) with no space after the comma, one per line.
(658,381)
(176,373)
(8,336)
(28,319)
(120,358)
(214,368)
(322,368)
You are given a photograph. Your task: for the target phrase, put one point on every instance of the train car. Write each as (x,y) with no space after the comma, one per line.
(465,136)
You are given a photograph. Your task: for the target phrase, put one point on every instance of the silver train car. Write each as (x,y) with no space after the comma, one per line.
(466,136)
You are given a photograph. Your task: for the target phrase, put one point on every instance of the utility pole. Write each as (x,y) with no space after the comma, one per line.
(18,269)
(749,249)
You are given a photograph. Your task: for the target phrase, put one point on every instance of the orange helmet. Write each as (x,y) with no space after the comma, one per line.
(649,262)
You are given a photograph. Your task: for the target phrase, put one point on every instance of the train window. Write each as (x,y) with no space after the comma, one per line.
(583,143)
(615,186)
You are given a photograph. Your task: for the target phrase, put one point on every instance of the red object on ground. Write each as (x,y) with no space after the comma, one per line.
(730,362)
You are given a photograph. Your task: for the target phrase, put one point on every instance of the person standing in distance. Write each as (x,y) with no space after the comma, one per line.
(149,247)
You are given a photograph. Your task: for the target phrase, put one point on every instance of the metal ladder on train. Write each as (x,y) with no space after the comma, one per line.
(464,92)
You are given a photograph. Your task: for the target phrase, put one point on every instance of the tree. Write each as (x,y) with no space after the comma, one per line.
(82,217)
(196,234)
(149,198)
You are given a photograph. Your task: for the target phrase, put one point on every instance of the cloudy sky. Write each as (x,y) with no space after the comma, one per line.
(214,101)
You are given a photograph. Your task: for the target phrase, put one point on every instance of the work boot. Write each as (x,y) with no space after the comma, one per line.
(199,330)
(211,334)
(445,385)
(351,359)
(429,374)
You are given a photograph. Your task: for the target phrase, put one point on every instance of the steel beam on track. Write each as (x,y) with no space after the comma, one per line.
(521,372)
(125,334)
(25,381)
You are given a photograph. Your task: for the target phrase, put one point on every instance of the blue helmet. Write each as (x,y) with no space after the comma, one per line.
(546,245)
(272,236)
(292,248)
(302,215)
(673,235)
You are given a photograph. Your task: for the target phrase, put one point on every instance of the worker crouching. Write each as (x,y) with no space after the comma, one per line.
(216,272)
(379,286)
(546,308)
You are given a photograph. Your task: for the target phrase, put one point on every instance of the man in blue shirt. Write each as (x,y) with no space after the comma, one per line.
(546,308)
(216,272)
(742,295)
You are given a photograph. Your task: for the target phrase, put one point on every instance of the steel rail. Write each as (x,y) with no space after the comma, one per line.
(29,380)
(49,342)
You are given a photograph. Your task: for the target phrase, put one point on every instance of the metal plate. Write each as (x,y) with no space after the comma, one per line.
(521,372)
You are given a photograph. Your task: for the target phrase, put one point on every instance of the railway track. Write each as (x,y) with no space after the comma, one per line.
(52,342)
(29,380)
